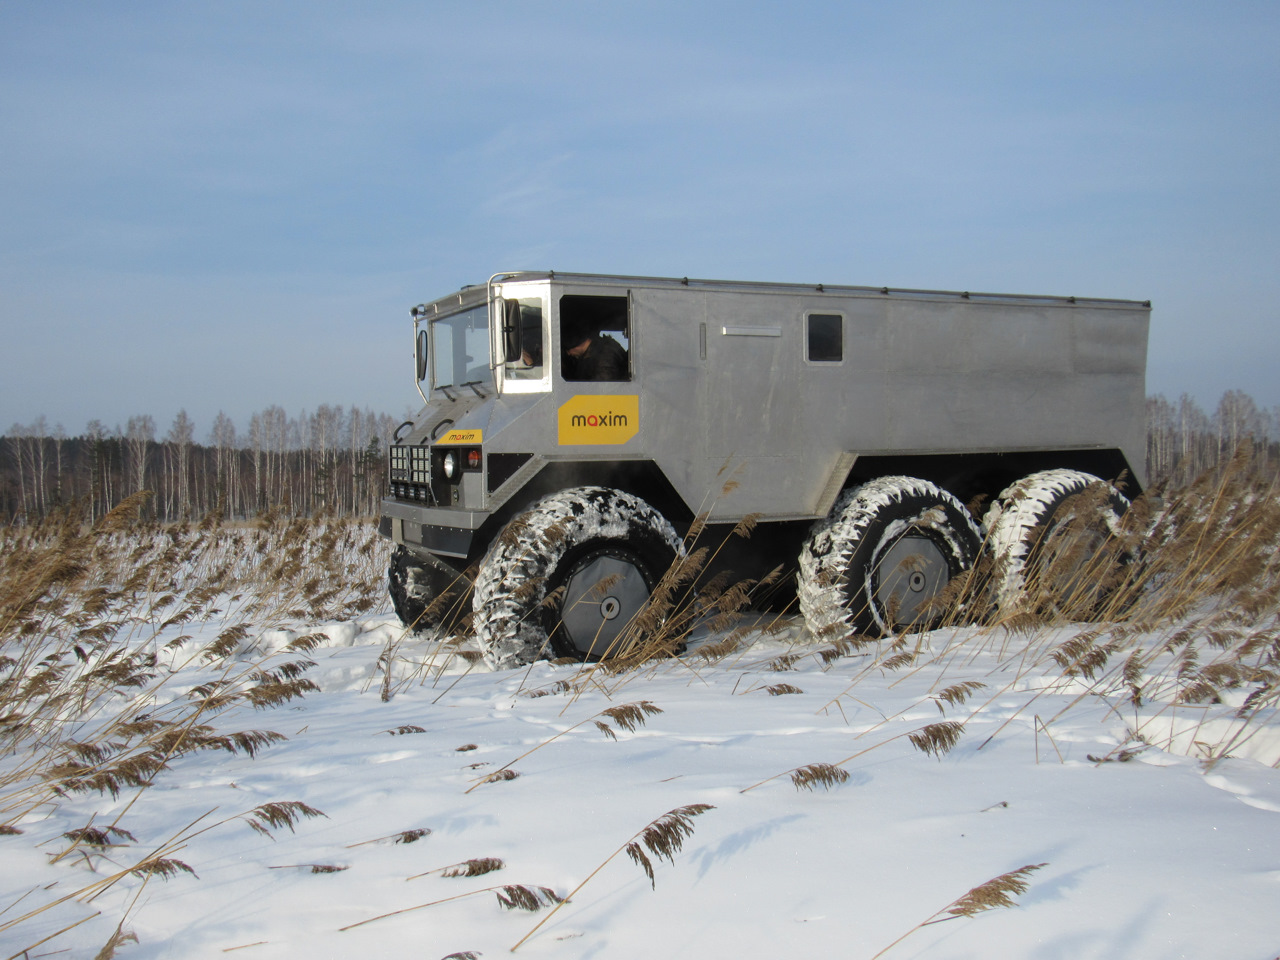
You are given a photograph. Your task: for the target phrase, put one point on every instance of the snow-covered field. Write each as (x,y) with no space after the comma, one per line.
(216,742)
(1143,852)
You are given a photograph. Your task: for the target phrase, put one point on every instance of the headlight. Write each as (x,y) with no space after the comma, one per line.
(450,465)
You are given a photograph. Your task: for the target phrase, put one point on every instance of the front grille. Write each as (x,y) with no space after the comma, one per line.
(409,473)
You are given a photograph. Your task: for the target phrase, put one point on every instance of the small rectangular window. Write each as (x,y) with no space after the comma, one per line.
(825,337)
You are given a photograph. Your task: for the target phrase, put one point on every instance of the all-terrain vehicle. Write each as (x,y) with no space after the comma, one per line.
(575,425)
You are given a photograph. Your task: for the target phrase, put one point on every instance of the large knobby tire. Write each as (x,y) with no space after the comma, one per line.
(1052,541)
(568,577)
(887,549)
(424,596)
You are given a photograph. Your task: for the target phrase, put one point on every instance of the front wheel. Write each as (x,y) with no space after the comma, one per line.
(425,596)
(569,577)
(880,561)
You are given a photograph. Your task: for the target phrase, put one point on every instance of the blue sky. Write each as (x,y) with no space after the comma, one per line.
(227,206)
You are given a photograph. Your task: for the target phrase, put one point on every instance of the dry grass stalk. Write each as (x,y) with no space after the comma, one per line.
(957,693)
(934,738)
(663,837)
(992,895)
(823,775)
(313,867)
(467,868)
(520,897)
(163,867)
(512,896)
(117,940)
(404,836)
(472,868)
(937,739)
(628,716)
(631,716)
(272,816)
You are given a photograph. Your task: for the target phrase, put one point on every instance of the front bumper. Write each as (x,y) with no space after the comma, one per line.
(450,533)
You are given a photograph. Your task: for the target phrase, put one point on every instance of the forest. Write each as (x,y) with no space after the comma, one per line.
(333,460)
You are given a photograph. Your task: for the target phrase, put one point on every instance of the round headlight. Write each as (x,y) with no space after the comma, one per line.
(450,465)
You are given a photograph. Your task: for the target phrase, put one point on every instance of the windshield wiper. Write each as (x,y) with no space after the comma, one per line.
(473,384)
(445,391)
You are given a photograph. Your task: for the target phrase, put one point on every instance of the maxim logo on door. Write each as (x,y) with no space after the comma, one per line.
(598,419)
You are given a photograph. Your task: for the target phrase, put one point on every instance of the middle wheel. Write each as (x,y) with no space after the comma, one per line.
(888,548)
(568,577)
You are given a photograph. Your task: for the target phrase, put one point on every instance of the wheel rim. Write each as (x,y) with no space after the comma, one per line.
(907,575)
(603,593)
(1066,563)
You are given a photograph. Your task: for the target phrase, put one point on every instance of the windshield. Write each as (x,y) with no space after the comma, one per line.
(460,348)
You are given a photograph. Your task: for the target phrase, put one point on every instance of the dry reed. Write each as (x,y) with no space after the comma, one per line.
(1178,605)
(92,647)
(996,893)
(663,837)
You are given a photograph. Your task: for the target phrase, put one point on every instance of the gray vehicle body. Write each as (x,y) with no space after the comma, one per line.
(739,402)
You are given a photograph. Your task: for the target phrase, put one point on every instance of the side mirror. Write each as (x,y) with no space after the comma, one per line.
(420,355)
(512,333)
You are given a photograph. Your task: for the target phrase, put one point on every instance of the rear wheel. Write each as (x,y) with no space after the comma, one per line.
(569,577)
(1052,537)
(879,563)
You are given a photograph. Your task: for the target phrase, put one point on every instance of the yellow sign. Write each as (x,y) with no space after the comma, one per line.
(598,419)
(462,436)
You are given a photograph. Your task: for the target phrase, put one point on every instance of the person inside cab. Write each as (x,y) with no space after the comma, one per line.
(589,355)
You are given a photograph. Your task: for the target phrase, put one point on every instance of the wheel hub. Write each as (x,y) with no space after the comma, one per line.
(603,594)
(910,573)
(1066,564)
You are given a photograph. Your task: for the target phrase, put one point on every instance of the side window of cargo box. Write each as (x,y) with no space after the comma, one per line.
(824,337)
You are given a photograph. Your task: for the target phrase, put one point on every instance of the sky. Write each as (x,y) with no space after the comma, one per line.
(222,207)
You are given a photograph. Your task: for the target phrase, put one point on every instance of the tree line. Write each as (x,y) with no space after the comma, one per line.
(335,460)
(1184,442)
(331,459)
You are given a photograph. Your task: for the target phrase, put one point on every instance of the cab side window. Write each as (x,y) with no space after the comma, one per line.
(522,327)
(595,338)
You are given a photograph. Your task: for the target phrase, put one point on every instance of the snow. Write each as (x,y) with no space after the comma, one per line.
(1148,852)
